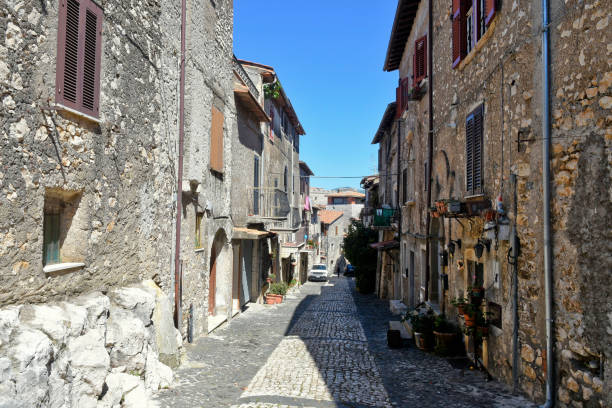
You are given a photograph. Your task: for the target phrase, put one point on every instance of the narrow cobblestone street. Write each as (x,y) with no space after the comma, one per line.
(323,347)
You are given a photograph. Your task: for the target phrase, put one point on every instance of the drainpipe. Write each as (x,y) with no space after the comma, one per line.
(429,148)
(515,254)
(179,189)
(550,399)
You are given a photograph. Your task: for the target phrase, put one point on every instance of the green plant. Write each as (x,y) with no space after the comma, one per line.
(272,277)
(278,288)
(459,301)
(292,283)
(361,255)
(272,90)
(470,309)
(442,325)
(422,322)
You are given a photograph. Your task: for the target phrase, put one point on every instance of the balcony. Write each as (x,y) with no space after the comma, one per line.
(268,202)
(385,217)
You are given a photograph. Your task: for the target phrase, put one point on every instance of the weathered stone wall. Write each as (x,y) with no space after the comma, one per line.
(504,74)
(94,350)
(122,167)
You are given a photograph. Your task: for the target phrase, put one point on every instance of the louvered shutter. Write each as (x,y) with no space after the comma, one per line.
(420,47)
(79,48)
(489,11)
(459,31)
(478,153)
(398,102)
(216,141)
(469,155)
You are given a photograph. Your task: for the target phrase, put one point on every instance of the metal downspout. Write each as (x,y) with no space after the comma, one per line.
(429,148)
(179,189)
(550,399)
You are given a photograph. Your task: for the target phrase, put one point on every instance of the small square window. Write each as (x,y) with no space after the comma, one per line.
(198,230)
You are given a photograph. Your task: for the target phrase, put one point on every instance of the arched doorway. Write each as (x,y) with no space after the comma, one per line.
(219,263)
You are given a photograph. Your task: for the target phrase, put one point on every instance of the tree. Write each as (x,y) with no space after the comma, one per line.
(364,258)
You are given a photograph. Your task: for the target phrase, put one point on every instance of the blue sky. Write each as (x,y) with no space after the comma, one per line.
(329,56)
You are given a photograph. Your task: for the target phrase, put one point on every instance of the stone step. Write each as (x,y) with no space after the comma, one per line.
(399,326)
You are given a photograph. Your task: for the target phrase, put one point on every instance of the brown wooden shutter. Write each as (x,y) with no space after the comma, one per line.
(420,60)
(469,155)
(459,31)
(474,151)
(398,102)
(79,48)
(489,11)
(216,141)
(478,153)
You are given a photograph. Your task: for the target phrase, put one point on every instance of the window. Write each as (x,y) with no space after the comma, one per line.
(402,95)
(216,141)
(64,230)
(471,19)
(473,156)
(198,230)
(271,123)
(339,201)
(420,60)
(256,185)
(336,230)
(79,46)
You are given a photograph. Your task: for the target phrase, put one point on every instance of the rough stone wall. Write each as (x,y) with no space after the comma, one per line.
(122,167)
(94,350)
(504,73)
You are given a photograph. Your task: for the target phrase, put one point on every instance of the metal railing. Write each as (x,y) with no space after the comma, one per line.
(384,217)
(245,77)
(267,202)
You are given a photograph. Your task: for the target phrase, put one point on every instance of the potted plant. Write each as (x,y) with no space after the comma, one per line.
(422,327)
(276,292)
(271,278)
(476,294)
(445,332)
(469,315)
(459,303)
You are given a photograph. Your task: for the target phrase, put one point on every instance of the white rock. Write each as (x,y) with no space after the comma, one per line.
(56,321)
(89,364)
(167,338)
(137,398)
(9,320)
(118,384)
(31,352)
(157,374)
(140,300)
(19,129)
(13,36)
(4,71)
(126,337)
(97,306)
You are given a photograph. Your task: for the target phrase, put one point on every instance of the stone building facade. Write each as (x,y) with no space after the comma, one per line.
(89,175)
(487,156)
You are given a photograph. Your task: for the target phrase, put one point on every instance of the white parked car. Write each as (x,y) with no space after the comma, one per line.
(318,272)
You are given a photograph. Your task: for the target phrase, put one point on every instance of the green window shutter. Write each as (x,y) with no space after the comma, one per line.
(51,231)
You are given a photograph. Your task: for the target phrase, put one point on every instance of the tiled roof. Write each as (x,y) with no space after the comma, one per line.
(329,216)
(347,194)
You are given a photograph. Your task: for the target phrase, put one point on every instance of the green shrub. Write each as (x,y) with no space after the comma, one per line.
(357,250)
(278,288)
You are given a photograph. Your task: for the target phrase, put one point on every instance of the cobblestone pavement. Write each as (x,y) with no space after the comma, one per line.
(323,347)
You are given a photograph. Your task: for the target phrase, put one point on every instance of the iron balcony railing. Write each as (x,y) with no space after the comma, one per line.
(384,217)
(268,202)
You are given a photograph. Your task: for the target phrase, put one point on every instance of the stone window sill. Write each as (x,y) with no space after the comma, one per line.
(61,267)
(199,250)
(61,107)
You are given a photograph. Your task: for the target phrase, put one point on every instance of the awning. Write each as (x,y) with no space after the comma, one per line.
(385,245)
(248,233)
(251,104)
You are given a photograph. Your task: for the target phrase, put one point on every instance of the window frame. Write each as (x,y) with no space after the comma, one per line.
(474,145)
(86,62)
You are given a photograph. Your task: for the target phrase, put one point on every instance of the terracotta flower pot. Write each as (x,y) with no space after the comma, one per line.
(461,309)
(272,299)
(444,340)
(470,321)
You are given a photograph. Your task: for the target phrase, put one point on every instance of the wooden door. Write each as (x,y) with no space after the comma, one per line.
(212,287)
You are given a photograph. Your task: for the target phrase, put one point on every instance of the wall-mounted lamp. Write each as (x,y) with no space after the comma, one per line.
(452,244)
(480,246)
